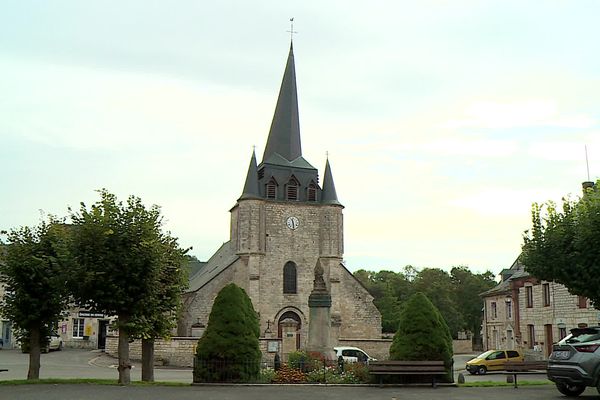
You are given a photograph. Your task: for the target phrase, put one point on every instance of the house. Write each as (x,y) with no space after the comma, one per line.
(531,314)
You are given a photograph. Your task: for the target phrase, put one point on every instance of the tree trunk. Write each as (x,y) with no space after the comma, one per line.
(34,354)
(148,360)
(123,350)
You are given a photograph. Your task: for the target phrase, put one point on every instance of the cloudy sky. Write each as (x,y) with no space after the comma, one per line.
(444,120)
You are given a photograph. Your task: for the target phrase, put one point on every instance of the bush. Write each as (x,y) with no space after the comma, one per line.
(423,335)
(229,349)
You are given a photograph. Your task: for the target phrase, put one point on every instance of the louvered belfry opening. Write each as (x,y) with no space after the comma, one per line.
(291,190)
(311,193)
(271,189)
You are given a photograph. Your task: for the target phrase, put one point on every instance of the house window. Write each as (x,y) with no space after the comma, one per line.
(582,301)
(78,324)
(529,296)
(546,289)
(562,333)
(271,189)
(291,189)
(509,309)
(494,310)
(531,336)
(311,193)
(289,278)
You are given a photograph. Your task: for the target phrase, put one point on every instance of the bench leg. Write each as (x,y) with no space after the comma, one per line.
(380,380)
(515,381)
(434,383)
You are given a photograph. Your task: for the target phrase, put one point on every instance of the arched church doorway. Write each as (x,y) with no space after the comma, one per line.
(288,330)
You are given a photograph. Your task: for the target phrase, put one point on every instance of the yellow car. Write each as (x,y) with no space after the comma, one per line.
(492,360)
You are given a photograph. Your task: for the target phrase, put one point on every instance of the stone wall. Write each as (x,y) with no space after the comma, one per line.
(178,351)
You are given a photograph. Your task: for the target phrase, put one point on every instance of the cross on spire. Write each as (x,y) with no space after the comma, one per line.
(292,31)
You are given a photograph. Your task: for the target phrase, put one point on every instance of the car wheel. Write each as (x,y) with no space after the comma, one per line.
(570,390)
(481,370)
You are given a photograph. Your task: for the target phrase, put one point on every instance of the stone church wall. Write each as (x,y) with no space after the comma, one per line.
(199,303)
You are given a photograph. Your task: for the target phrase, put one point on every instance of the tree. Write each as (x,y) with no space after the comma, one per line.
(439,289)
(564,245)
(467,287)
(423,335)
(161,308)
(34,270)
(120,254)
(229,348)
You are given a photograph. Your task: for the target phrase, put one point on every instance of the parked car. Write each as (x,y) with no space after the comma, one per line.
(575,361)
(352,354)
(55,342)
(492,360)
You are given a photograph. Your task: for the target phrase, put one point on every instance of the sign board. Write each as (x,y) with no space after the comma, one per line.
(272,346)
(90,314)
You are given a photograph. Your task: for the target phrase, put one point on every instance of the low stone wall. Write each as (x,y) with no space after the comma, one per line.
(464,346)
(177,351)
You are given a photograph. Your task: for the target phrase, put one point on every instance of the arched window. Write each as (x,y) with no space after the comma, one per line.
(291,189)
(271,189)
(289,278)
(311,192)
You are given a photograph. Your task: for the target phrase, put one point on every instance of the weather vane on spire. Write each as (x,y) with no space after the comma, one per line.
(292,31)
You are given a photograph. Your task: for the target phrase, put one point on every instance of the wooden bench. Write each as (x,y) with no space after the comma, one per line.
(515,368)
(430,368)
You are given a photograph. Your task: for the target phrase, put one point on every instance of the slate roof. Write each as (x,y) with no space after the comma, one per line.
(251,189)
(517,270)
(328,195)
(222,259)
(284,135)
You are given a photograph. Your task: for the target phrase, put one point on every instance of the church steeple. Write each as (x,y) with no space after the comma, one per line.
(251,189)
(328,195)
(284,135)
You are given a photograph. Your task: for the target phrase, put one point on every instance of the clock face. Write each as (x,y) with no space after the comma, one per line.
(292,222)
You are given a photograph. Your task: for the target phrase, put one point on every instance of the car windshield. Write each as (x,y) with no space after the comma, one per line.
(484,355)
(583,335)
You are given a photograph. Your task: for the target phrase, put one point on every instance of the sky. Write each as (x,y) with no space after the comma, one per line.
(443,120)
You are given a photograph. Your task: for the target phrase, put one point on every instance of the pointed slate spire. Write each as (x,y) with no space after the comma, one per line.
(328,194)
(251,189)
(284,135)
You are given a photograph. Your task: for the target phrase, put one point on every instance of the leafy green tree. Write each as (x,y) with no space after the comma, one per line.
(466,289)
(34,270)
(423,335)
(563,245)
(162,306)
(229,349)
(120,254)
(438,287)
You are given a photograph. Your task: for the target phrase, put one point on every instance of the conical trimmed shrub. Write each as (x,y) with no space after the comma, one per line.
(229,349)
(423,334)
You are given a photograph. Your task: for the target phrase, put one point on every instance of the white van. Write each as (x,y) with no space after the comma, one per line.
(352,354)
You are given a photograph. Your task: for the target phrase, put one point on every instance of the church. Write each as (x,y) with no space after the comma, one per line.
(282,225)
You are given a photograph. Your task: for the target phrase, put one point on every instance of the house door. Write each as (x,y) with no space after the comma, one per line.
(510,340)
(102,330)
(548,340)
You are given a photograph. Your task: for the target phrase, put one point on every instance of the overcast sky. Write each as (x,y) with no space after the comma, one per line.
(444,120)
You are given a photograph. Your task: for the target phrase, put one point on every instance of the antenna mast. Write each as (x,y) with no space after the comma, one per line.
(587,164)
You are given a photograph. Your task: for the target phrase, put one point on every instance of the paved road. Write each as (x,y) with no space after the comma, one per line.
(71,363)
(94,392)
(75,363)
